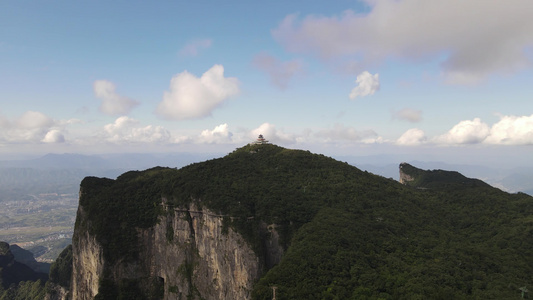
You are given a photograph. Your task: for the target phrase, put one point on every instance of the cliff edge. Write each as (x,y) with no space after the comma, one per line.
(412,176)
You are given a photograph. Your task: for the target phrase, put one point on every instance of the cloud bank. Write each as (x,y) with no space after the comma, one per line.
(509,130)
(112,103)
(32,127)
(340,132)
(465,132)
(190,97)
(512,130)
(220,134)
(270,132)
(412,137)
(127,130)
(473,38)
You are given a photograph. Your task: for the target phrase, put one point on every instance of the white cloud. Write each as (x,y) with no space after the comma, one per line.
(412,137)
(280,72)
(53,136)
(465,132)
(341,132)
(193,47)
(112,103)
(408,114)
(220,134)
(191,97)
(475,38)
(31,127)
(34,120)
(512,130)
(126,130)
(271,133)
(509,130)
(367,84)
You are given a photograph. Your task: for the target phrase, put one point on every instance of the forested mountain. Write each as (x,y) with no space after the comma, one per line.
(17,280)
(345,233)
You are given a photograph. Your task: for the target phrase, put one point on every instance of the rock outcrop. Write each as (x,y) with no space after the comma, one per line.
(423,179)
(188,254)
(404,176)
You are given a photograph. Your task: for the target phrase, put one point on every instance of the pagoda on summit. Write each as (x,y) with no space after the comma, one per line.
(260,140)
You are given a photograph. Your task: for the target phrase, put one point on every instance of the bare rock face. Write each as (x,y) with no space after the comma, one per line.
(87,264)
(189,254)
(404,177)
(57,292)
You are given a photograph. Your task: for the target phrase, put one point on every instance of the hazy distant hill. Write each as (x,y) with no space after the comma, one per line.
(12,271)
(107,161)
(62,173)
(511,179)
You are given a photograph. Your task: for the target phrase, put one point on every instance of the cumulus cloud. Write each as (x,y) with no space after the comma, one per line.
(466,132)
(193,47)
(271,133)
(341,132)
(127,130)
(412,137)
(509,130)
(53,136)
(112,103)
(367,84)
(408,114)
(220,134)
(474,38)
(32,127)
(280,72)
(191,97)
(512,130)
(33,120)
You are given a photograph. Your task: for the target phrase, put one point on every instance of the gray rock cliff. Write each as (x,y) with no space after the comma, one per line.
(188,254)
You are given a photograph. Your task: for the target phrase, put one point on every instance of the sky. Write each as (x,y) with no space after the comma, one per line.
(427,79)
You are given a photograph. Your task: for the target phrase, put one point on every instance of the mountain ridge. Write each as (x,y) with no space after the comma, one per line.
(344,233)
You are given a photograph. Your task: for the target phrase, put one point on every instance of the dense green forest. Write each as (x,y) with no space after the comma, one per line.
(348,234)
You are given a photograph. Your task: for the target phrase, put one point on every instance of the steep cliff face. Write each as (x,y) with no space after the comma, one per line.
(87,263)
(405,177)
(56,292)
(188,254)
(412,176)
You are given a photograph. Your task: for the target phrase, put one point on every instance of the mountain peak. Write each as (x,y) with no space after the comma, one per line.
(413,176)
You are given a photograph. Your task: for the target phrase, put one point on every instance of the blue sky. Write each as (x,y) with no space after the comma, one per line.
(440,80)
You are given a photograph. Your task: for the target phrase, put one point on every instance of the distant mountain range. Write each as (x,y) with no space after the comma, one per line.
(64,172)
(125,161)
(511,180)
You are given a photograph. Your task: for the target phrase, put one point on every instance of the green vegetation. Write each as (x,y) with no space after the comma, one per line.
(438,178)
(24,290)
(348,234)
(61,269)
